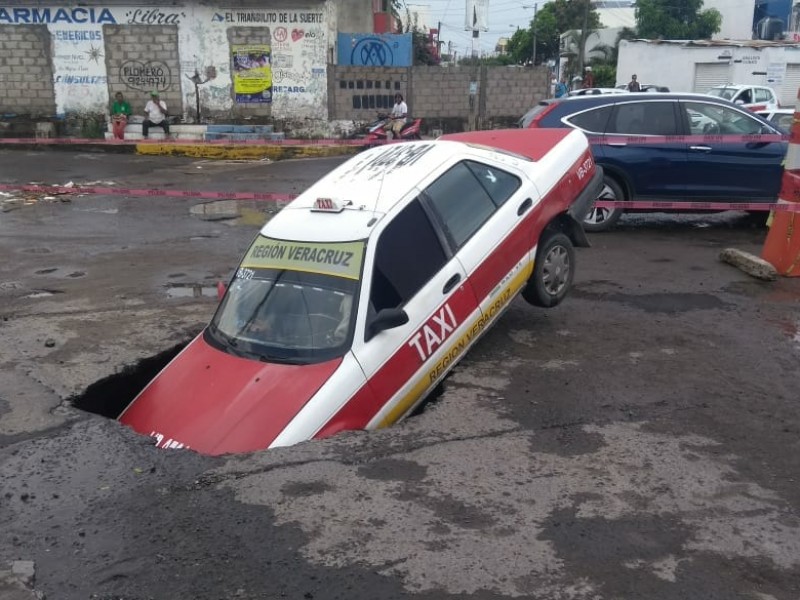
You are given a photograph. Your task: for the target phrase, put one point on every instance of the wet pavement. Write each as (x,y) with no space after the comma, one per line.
(642,440)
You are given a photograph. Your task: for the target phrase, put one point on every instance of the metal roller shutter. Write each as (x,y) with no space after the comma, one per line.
(787,95)
(707,75)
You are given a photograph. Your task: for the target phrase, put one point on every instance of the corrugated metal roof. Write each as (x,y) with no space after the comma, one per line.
(724,43)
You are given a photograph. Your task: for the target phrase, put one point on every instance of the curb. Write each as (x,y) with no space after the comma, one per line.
(200,150)
(233,152)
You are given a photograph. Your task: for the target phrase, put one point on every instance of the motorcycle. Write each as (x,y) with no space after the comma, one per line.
(376,131)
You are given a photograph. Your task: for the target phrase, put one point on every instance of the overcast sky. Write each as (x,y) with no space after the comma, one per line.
(504,18)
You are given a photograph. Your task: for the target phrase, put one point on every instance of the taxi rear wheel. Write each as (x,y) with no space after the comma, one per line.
(602,219)
(552,272)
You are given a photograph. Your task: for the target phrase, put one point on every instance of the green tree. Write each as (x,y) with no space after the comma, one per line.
(676,20)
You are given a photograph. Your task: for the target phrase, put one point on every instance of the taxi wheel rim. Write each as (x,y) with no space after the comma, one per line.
(555,271)
(599,215)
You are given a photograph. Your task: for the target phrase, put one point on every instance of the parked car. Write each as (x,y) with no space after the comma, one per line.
(645,87)
(726,168)
(752,97)
(782,118)
(358,298)
(595,91)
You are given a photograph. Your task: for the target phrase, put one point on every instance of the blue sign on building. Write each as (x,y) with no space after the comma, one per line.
(375,49)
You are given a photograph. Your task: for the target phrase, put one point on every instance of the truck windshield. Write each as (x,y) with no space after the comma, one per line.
(290,302)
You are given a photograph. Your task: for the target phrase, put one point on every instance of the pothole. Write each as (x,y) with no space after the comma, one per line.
(235,212)
(43,293)
(109,396)
(191,290)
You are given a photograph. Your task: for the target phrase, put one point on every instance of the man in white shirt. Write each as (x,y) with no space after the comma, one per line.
(156,115)
(397,118)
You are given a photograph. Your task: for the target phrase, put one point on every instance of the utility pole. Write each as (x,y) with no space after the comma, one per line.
(533,54)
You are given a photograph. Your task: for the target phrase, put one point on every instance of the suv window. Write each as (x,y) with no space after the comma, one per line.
(644,118)
(713,119)
(591,121)
(408,255)
(461,201)
(763,95)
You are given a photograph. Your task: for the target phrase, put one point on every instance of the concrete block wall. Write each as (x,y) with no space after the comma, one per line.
(245,36)
(359,93)
(440,95)
(514,90)
(143,58)
(26,72)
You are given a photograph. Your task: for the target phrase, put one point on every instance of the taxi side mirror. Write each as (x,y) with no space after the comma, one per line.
(388,318)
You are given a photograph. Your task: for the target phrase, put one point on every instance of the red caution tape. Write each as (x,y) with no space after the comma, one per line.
(662,205)
(638,140)
(676,205)
(174,142)
(110,191)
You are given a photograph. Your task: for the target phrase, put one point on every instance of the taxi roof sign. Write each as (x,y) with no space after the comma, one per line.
(327,205)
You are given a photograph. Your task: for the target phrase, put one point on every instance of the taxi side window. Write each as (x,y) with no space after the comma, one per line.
(408,255)
(466,196)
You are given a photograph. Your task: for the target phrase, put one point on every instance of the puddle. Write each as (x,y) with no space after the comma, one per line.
(109,396)
(235,212)
(43,293)
(191,290)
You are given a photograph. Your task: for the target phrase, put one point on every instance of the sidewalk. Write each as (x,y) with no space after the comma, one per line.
(232,142)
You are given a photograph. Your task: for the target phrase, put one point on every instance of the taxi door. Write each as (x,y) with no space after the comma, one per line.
(488,215)
(413,306)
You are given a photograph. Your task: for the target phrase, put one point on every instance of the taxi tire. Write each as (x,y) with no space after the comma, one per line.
(612,190)
(554,253)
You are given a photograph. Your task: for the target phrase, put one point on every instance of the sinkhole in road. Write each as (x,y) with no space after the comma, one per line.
(109,396)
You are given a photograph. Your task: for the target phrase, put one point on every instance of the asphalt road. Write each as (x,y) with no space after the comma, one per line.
(640,441)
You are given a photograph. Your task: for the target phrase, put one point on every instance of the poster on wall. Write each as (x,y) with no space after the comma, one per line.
(375,49)
(252,73)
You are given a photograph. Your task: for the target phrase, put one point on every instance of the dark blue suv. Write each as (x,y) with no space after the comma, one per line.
(726,167)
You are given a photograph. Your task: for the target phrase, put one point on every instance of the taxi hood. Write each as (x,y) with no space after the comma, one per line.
(216,403)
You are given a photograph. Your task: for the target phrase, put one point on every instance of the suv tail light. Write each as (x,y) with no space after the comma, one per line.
(536,114)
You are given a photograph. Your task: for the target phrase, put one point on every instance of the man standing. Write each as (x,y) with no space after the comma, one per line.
(634,86)
(156,115)
(561,87)
(397,118)
(588,78)
(120,111)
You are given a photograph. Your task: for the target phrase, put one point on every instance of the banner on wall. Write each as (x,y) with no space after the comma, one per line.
(252,73)
(375,50)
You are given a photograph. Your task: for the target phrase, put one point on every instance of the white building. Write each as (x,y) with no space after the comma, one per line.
(700,65)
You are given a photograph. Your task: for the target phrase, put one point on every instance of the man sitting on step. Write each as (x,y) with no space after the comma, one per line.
(156,115)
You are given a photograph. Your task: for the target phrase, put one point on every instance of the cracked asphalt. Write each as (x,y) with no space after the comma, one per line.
(640,441)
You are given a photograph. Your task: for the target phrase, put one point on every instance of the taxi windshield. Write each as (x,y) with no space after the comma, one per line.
(290,302)
(727,93)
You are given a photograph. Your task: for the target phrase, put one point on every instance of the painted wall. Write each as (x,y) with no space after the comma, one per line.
(301,40)
(737,18)
(375,50)
(673,65)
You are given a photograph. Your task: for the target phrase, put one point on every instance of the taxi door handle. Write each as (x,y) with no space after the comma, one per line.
(451,283)
(523,208)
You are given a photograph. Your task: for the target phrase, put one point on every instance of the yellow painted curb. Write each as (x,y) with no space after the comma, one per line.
(244,152)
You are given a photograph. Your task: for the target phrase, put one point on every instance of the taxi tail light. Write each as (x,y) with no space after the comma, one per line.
(221,288)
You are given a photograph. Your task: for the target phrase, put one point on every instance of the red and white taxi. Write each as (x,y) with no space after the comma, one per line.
(362,294)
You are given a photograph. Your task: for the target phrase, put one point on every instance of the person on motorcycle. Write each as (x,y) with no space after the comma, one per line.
(397,118)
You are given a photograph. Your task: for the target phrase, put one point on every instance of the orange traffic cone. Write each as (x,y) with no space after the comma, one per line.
(782,248)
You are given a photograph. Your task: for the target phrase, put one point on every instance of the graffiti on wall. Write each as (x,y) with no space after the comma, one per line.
(375,50)
(298,54)
(146,76)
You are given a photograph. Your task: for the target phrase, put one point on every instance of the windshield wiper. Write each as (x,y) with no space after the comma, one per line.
(283,360)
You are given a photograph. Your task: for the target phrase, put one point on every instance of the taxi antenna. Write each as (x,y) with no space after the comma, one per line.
(378,196)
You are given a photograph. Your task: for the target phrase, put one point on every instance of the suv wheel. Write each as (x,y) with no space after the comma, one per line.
(602,219)
(552,272)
